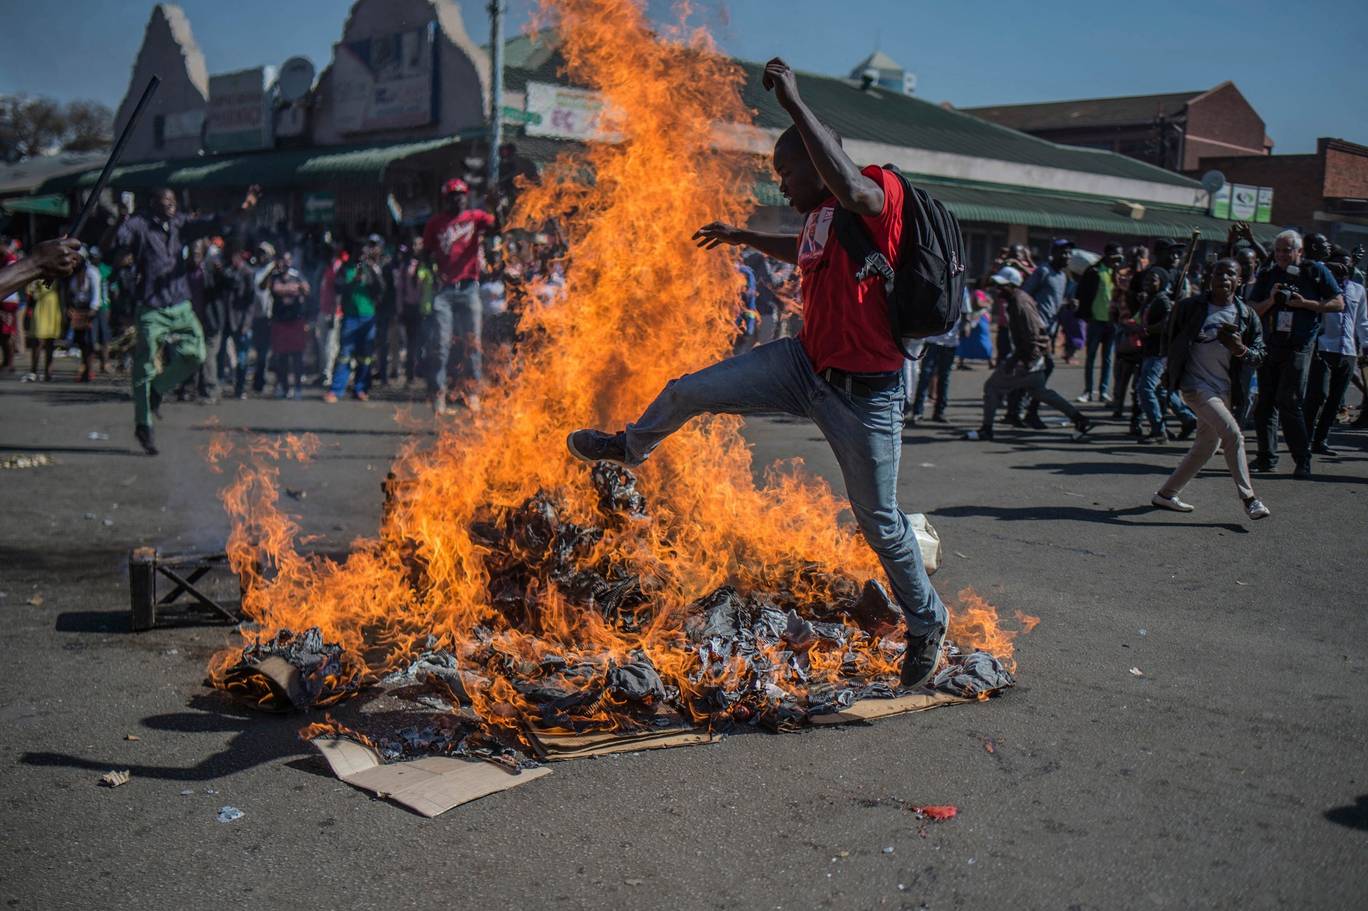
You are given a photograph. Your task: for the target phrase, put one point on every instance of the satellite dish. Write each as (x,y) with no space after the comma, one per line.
(296,78)
(1213,181)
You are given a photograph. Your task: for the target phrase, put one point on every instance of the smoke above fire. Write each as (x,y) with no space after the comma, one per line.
(640,306)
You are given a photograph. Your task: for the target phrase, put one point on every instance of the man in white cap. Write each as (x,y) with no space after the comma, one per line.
(1024,369)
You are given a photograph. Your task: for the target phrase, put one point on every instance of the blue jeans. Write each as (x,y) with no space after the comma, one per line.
(242,349)
(938,361)
(1151,373)
(1101,335)
(358,340)
(865,433)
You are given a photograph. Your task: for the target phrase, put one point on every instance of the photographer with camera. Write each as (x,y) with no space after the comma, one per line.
(1290,298)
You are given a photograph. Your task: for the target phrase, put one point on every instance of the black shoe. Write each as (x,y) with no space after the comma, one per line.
(1013,420)
(1034,422)
(939,418)
(1082,427)
(1134,430)
(1322,449)
(597,446)
(1157,436)
(1302,471)
(154,400)
(1188,429)
(983,433)
(1264,465)
(144,435)
(919,661)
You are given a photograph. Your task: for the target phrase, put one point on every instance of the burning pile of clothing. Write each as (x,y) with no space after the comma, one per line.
(737,657)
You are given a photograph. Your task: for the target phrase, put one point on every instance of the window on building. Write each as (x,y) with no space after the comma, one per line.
(981,243)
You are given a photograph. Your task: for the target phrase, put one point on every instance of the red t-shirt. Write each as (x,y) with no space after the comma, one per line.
(454,242)
(845,325)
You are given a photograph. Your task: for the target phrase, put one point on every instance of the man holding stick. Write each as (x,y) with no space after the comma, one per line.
(844,371)
(157,237)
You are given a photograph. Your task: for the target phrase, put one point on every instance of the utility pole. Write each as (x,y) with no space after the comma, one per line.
(496,57)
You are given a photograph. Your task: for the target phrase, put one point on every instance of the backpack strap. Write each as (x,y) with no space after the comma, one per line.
(859,246)
(855,239)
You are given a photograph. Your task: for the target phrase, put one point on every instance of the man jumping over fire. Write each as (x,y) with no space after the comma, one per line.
(844,371)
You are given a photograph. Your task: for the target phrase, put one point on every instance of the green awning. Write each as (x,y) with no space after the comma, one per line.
(356,165)
(1003,204)
(53,204)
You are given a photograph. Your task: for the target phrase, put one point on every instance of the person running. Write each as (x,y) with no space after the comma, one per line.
(843,371)
(157,237)
(1214,341)
(1025,368)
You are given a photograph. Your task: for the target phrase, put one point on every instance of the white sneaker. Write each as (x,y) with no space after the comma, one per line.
(1105,398)
(1085,397)
(1172,503)
(1255,509)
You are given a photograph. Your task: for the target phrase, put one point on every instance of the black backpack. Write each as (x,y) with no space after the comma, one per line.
(925,292)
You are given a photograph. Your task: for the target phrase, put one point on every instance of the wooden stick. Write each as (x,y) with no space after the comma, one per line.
(93,199)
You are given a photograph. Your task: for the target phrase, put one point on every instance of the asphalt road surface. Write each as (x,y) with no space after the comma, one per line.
(1231,774)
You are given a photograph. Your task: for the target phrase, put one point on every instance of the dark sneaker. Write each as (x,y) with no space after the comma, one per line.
(1012,420)
(1323,450)
(939,418)
(1157,436)
(919,661)
(983,433)
(1034,422)
(145,438)
(1188,429)
(1302,471)
(1082,427)
(597,446)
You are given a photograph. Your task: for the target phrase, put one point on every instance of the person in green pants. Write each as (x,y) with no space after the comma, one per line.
(157,237)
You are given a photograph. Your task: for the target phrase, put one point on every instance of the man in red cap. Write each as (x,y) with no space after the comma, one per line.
(452,239)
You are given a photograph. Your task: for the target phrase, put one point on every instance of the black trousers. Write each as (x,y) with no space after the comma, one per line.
(1017,396)
(1282,392)
(1329,380)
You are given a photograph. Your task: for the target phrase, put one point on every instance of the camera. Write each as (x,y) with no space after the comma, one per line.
(1283,294)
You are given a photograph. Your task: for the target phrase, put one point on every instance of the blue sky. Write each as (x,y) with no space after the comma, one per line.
(1303,66)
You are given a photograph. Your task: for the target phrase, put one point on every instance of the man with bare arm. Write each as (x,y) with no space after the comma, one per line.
(844,371)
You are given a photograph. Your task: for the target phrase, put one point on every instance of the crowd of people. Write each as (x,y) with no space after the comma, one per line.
(1200,347)
(200,307)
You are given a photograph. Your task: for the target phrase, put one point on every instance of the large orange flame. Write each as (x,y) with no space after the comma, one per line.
(640,306)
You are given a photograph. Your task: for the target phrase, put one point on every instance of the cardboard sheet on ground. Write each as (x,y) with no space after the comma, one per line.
(428,786)
(869,709)
(555,746)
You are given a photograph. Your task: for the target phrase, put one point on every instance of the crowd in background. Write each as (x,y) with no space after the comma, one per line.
(283,310)
(416,312)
